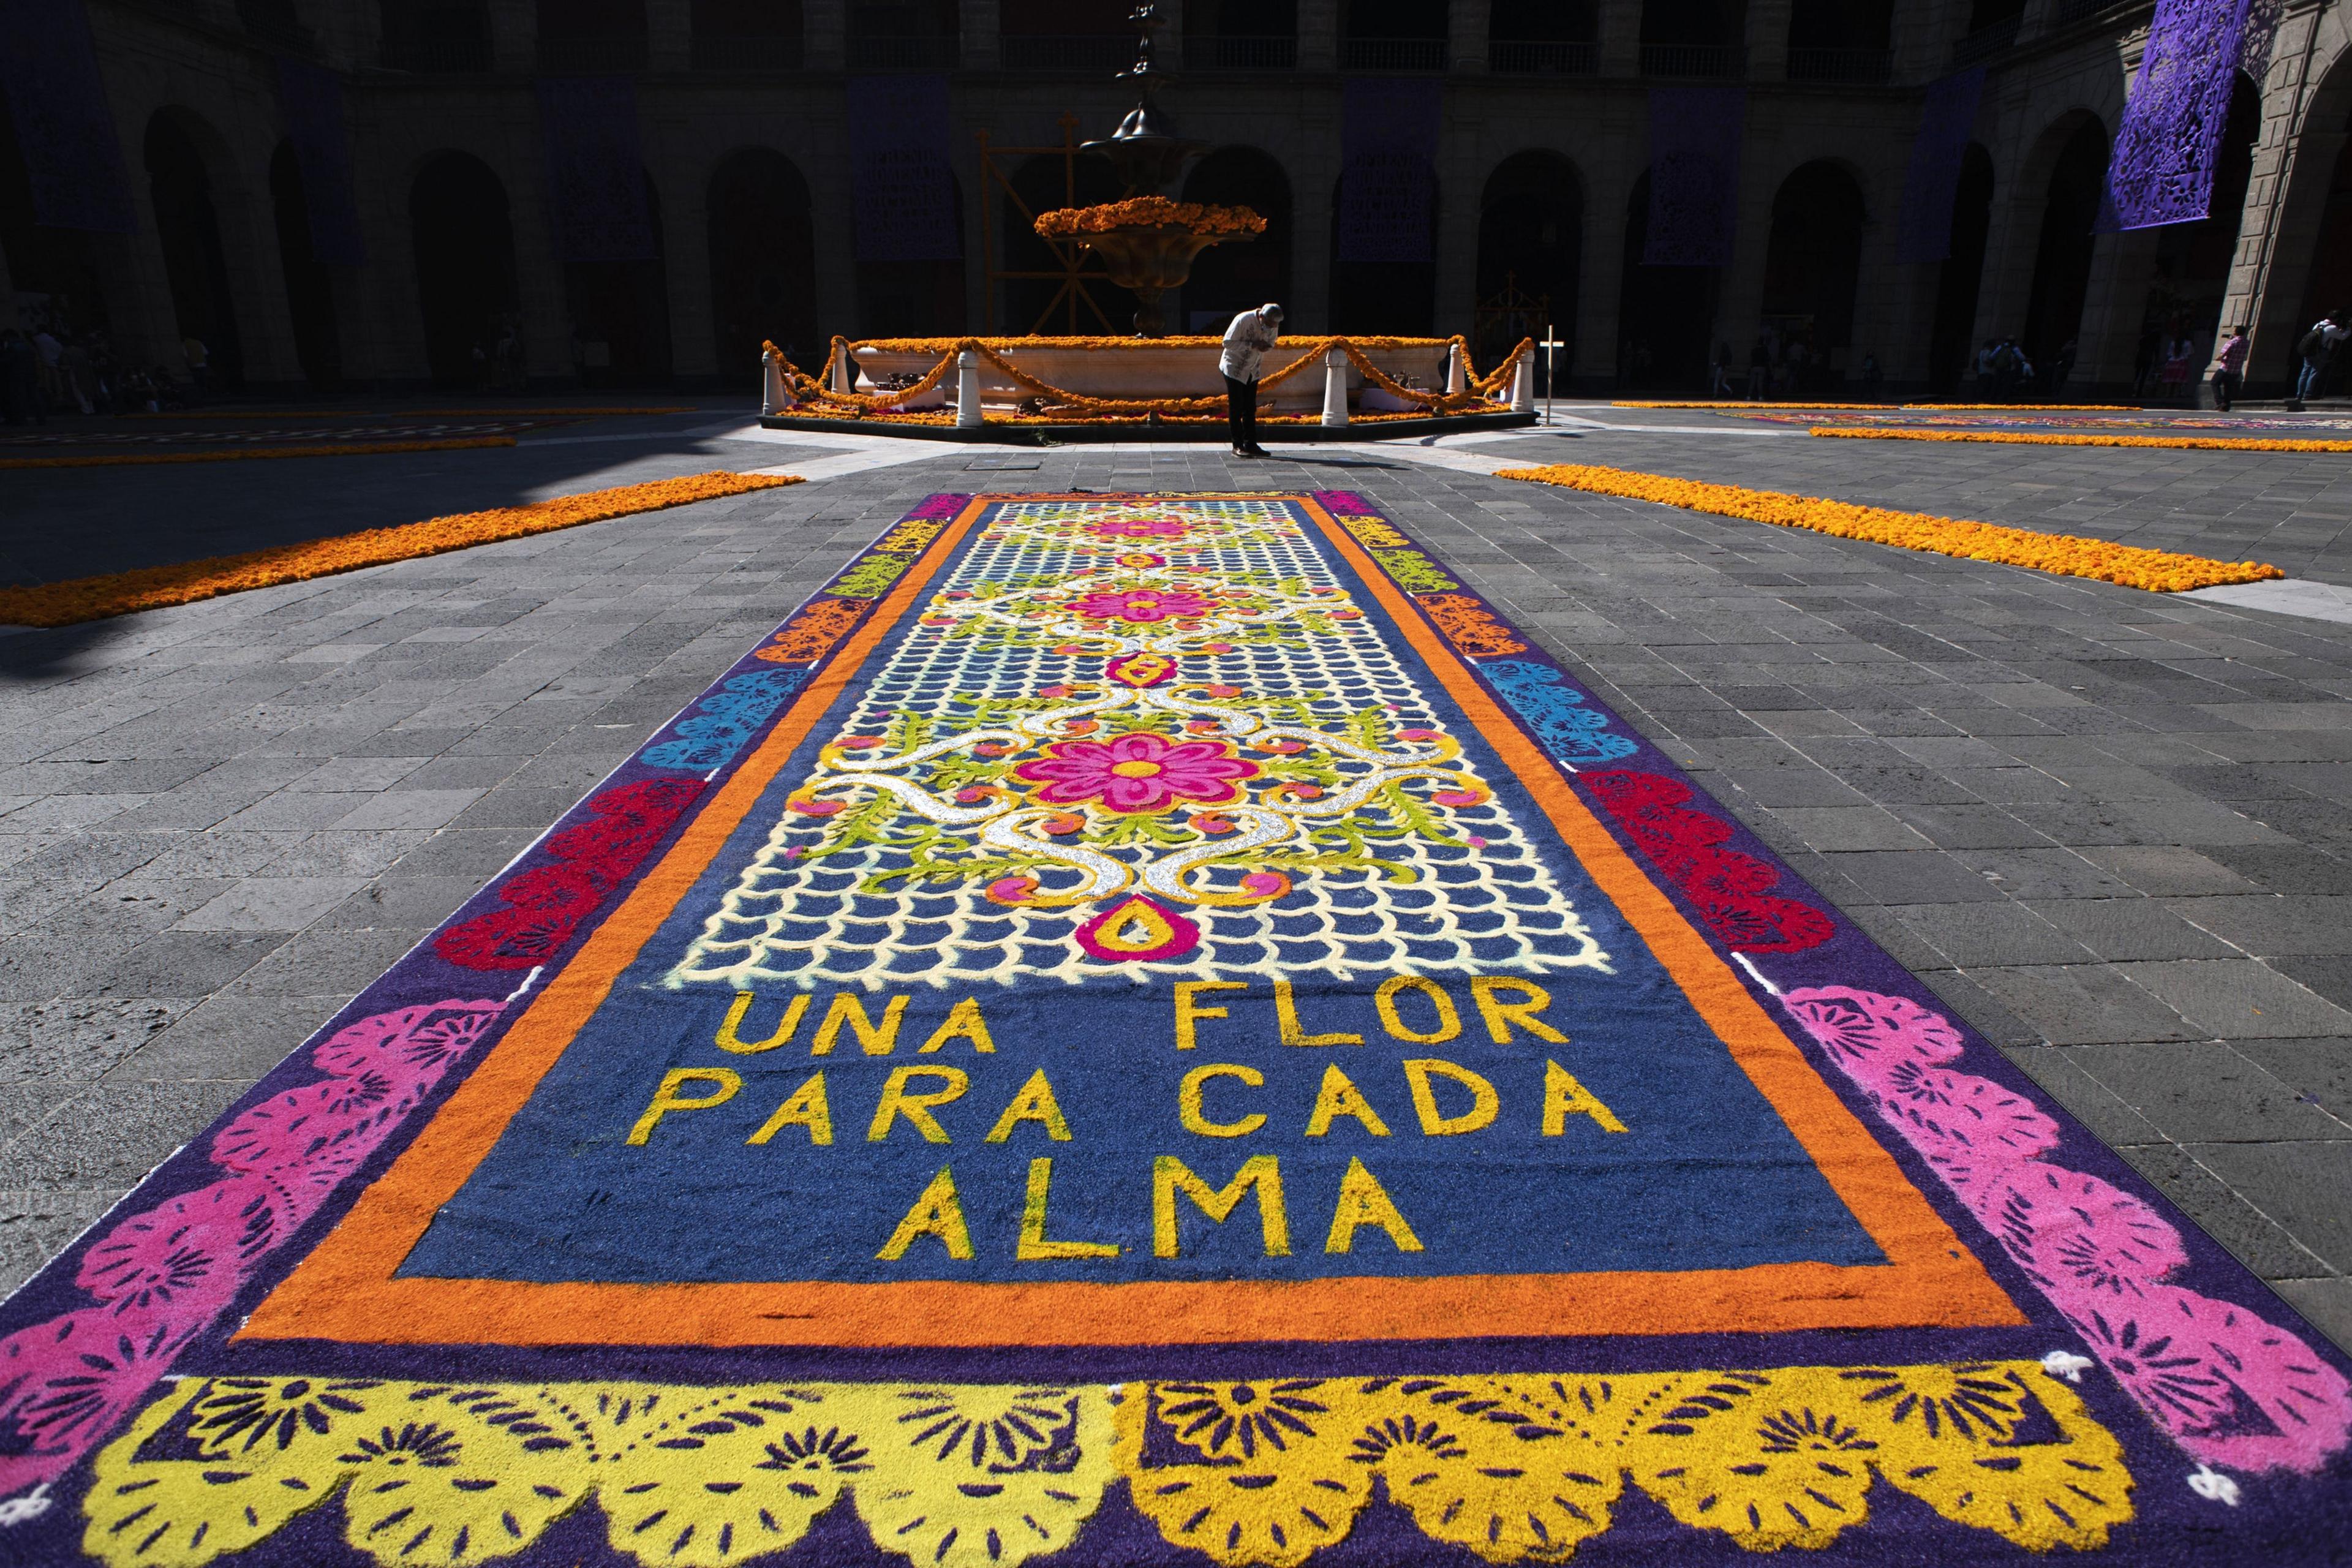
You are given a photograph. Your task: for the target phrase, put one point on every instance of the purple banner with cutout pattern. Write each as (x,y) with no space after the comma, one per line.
(1694,175)
(64,126)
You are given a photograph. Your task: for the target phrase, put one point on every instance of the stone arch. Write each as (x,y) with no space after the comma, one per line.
(2310,264)
(310,285)
(2064,247)
(466,280)
(762,262)
(1665,315)
(1530,238)
(1960,280)
(1229,279)
(1812,267)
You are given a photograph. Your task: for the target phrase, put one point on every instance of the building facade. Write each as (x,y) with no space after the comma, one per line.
(751,114)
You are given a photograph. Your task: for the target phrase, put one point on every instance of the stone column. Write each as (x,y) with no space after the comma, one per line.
(2113,306)
(824,34)
(1767,40)
(514,34)
(2278,234)
(1311,217)
(1467,23)
(979,27)
(686,267)
(1620,37)
(1918,40)
(1318,35)
(669,34)
(1458,197)
(381,322)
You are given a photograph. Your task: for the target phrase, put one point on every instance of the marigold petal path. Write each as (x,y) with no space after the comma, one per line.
(2066,554)
(2034,438)
(154,587)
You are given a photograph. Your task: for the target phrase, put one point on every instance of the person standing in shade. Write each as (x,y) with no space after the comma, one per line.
(1251,333)
(2229,369)
(2316,347)
(200,361)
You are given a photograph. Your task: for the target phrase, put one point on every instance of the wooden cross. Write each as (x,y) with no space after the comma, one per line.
(1550,345)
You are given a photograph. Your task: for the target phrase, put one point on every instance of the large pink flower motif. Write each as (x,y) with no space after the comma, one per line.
(1141,528)
(1144,606)
(1137,772)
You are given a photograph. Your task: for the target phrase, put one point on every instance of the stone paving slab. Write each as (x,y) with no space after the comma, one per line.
(2112,829)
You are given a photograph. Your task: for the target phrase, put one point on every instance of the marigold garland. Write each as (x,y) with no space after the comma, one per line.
(2027,438)
(2132,566)
(1148,212)
(340,449)
(154,587)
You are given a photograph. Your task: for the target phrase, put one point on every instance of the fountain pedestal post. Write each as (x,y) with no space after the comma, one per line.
(968,415)
(1335,387)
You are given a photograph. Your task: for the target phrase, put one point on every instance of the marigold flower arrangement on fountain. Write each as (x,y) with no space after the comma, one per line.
(1151,212)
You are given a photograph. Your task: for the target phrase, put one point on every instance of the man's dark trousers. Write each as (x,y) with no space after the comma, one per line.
(1241,412)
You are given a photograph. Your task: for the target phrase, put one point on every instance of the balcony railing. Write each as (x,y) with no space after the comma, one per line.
(1712,60)
(2067,11)
(1243,54)
(1864,67)
(1067,51)
(620,52)
(747,51)
(1987,41)
(877,51)
(450,55)
(1393,54)
(1532,57)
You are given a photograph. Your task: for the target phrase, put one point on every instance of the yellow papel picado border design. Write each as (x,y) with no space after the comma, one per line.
(1514,1469)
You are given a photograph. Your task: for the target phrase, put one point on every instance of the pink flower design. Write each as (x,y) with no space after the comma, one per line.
(1144,607)
(1140,527)
(67,1382)
(159,1276)
(1868,1034)
(1137,772)
(2080,1236)
(2230,1388)
(188,1255)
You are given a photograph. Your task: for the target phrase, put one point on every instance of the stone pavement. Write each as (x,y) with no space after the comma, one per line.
(2112,829)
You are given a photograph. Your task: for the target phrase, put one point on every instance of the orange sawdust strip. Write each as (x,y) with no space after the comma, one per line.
(154,587)
(234,455)
(2159,571)
(2018,437)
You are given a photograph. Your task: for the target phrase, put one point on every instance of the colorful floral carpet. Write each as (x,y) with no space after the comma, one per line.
(1147,1029)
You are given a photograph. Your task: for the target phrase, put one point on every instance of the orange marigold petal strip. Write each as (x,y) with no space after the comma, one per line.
(352,449)
(155,588)
(2159,571)
(2026,439)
